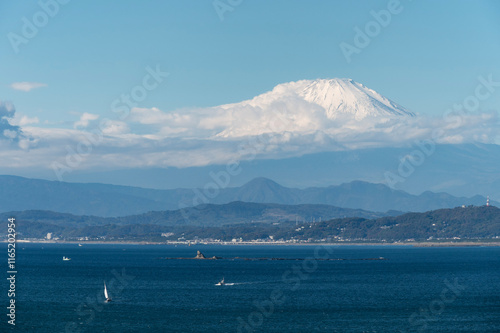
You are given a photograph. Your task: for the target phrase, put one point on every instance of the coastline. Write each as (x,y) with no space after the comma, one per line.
(398,244)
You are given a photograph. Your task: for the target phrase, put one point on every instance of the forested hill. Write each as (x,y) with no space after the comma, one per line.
(443,224)
(468,222)
(458,223)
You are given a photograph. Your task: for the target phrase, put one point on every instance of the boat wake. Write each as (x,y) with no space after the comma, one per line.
(225,284)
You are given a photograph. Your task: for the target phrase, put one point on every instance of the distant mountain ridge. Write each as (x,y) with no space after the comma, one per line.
(462,170)
(19,194)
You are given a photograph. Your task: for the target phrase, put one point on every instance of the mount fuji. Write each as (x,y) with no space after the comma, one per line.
(349,97)
(335,96)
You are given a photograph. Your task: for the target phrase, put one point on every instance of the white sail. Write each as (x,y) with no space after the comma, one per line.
(105,291)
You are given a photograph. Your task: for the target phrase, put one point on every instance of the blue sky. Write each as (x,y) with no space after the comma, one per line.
(63,79)
(427,58)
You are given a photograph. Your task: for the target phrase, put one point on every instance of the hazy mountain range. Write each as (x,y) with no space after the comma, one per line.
(19,194)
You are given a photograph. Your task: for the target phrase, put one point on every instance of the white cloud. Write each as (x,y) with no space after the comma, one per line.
(114,127)
(149,116)
(10,134)
(7,110)
(24,120)
(27,86)
(7,129)
(116,146)
(85,120)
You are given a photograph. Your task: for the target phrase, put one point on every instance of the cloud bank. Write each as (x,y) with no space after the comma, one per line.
(279,124)
(153,138)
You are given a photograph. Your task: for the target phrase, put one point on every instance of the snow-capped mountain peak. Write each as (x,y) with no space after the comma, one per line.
(337,97)
(345,96)
(310,106)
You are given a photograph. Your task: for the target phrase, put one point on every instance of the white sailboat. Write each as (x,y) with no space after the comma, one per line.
(108,299)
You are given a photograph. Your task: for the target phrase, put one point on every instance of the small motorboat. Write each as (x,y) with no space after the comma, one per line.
(66,258)
(221,283)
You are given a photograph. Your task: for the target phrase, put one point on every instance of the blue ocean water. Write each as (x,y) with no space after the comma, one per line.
(413,290)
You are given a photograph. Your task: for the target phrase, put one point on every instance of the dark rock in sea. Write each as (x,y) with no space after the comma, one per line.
(200,255)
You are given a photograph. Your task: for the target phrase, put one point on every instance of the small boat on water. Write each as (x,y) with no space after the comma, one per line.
(108,299)
(221,283)
(79,244)
(66,258)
